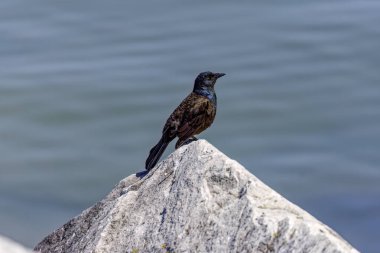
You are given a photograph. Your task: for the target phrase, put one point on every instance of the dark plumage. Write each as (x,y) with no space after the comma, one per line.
(195,114)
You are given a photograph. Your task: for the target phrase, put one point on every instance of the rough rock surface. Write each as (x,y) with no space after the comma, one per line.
(197,200)
(9,246)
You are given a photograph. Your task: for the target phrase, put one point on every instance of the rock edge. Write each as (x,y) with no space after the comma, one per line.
(9,246)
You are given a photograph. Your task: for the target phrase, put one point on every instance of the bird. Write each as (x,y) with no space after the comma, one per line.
(193,115)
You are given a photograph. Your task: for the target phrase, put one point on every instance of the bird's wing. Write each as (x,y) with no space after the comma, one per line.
(173,123)
(199,115)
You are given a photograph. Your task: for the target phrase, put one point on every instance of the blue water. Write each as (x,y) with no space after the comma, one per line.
(86,86)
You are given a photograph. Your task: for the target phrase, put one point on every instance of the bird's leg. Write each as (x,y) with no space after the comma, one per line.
(181,142)
(191,139)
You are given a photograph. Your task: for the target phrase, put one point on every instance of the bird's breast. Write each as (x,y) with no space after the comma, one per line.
(210,94)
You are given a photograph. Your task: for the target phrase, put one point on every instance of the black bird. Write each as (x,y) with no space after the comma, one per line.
(195,114)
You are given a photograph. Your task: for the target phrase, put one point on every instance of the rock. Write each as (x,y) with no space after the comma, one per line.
(9,246)
(197,200)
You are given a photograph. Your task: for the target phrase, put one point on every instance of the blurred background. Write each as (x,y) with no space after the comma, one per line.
(86,86)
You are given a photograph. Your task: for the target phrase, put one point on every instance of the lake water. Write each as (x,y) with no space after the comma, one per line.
(86,86)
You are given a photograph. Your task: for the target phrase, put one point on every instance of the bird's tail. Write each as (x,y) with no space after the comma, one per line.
(155,153)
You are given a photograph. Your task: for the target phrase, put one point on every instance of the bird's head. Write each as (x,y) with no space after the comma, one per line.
(206,80)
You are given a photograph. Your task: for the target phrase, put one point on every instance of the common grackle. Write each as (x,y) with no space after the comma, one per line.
(195,114)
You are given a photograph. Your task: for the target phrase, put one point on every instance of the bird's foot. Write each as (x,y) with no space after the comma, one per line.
(190,140)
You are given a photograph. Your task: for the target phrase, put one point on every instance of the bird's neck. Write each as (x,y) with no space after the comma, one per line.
(206,92)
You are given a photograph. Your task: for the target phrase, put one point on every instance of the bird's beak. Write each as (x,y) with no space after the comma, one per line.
(218,75)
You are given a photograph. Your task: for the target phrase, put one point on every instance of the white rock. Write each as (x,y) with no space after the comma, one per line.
(197,200)
(9,246)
